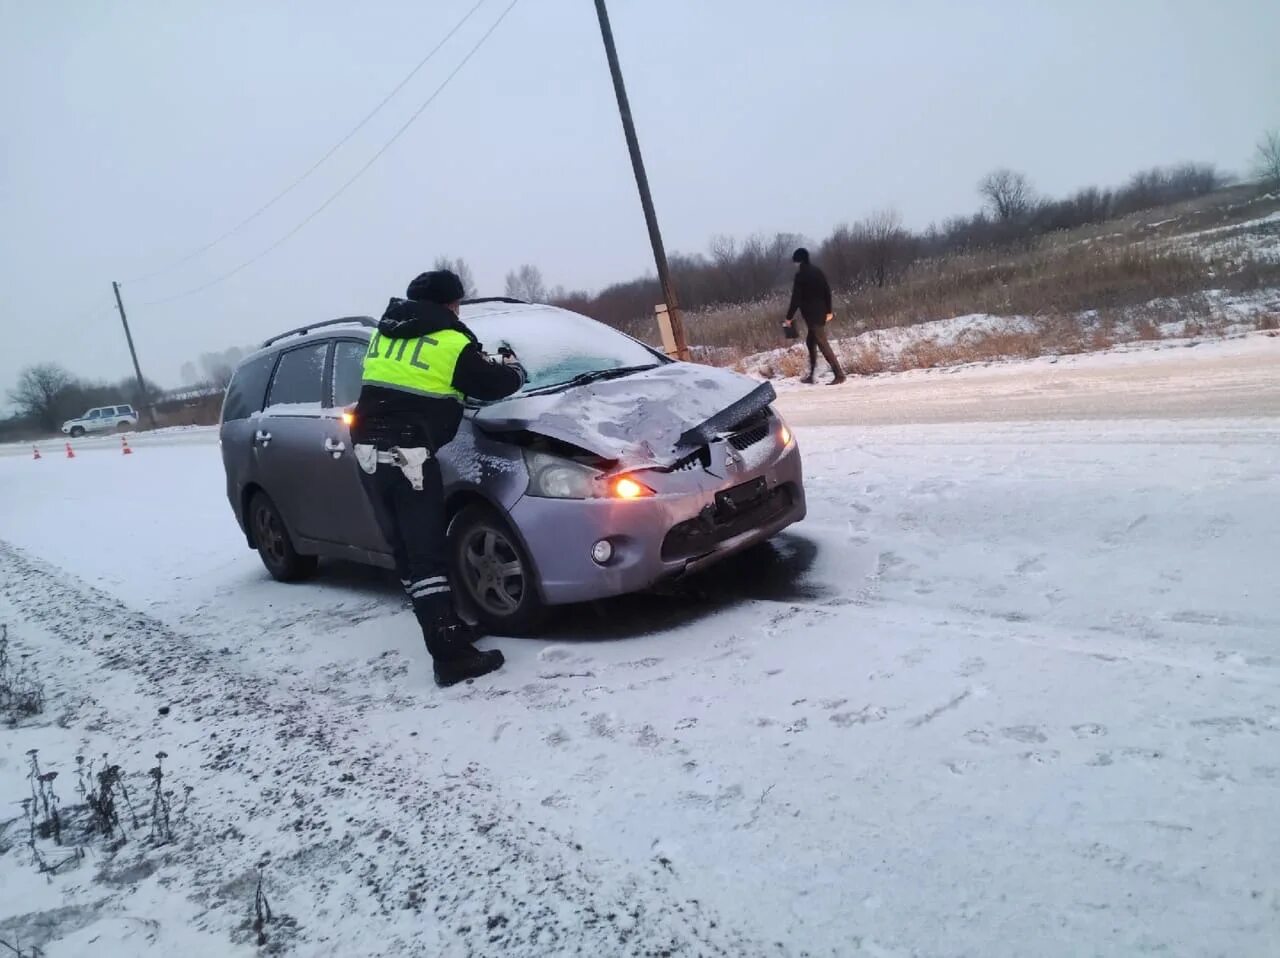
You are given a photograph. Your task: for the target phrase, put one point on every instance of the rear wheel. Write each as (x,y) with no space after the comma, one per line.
(274,545)
(123,425)
(494,573)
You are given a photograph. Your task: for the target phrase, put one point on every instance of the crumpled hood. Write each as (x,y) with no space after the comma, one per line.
(653,417)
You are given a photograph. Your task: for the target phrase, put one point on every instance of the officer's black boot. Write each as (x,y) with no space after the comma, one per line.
(466,664)
(456,660)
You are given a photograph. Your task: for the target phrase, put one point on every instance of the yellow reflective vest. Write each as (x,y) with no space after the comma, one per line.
(422,365)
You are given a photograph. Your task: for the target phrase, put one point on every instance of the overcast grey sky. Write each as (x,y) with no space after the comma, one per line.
(136,131)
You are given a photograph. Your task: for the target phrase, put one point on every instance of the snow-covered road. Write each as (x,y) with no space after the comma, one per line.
(1183,379)
(1013,688)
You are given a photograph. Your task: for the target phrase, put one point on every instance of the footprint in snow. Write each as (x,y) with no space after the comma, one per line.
(971,666)
(686,723)
(1030,565)
(1045,757)
(647,737)
(863,716)
(1024,733)
(1089,730)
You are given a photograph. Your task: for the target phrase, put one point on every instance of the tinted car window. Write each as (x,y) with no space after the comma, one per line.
(247,389)
(299,377)
(348,362)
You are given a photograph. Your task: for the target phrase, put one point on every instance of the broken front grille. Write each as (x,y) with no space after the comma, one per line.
(749,437)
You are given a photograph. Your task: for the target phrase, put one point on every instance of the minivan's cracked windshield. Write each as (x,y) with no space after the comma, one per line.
(560,349)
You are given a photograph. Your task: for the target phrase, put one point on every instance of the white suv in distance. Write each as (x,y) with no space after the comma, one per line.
(100,420)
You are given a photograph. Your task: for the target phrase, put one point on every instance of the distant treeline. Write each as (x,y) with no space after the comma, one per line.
(875,250)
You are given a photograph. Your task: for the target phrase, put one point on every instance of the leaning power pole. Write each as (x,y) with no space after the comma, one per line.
(137,370)
(642,184)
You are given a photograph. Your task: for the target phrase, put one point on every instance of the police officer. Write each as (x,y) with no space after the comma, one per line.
(421,363)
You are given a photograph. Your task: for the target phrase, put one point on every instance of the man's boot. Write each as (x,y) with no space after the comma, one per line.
(455,660)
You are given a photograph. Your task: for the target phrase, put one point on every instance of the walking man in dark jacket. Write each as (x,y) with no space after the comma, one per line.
(811,295)
(421,363)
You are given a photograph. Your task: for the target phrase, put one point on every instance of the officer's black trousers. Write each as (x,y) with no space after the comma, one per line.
(414,524)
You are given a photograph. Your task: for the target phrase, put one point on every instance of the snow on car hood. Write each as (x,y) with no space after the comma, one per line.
(655,416)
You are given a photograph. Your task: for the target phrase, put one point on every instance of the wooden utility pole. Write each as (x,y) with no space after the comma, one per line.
(137,370)
(642,184)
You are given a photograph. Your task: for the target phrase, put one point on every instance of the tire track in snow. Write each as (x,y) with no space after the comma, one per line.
(461,871)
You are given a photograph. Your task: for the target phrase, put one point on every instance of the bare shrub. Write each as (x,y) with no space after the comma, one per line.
(792,363)
(864,359)
(1144,329)
(1267,321)
(21,691)
(925,354)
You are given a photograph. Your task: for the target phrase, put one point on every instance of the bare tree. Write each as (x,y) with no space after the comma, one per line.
(1008,194)
(888,244)
(189,374)
(458,266)
(218,367)
(526,283)
(1267,162)
(40,392)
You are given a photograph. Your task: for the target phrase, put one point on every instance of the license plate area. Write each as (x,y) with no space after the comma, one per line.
(741,498)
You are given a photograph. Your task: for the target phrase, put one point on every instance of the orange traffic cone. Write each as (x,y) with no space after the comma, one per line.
(124,444)
(70,452)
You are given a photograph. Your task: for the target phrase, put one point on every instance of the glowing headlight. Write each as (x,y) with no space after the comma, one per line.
(628,488)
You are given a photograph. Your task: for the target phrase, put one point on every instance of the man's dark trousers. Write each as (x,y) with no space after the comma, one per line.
(817,340)
(414,525)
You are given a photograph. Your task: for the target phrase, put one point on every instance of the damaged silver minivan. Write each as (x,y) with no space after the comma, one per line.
(613,470)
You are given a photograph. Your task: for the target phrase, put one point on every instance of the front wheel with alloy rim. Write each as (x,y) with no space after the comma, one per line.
(271,536)
(77,432)
(494,573)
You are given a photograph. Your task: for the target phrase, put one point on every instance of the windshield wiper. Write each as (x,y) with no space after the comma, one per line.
(595,376)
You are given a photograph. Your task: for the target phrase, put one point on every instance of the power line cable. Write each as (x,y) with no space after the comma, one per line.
(343,188)
(314,166)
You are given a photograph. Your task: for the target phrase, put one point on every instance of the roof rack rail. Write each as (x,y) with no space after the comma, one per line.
(303,330)
(494,299)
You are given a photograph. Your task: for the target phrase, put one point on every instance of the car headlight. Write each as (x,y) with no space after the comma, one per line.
(784,433)
(551,477)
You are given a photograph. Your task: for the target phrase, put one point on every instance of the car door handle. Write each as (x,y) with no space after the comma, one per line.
(262,437)
(335,446)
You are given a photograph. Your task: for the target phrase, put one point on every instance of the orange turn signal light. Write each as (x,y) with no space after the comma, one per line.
(785,435)
(348,418)
(628,488)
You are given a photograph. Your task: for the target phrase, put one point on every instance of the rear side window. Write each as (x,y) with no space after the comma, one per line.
(348,368)
(247,389)
(299,378)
